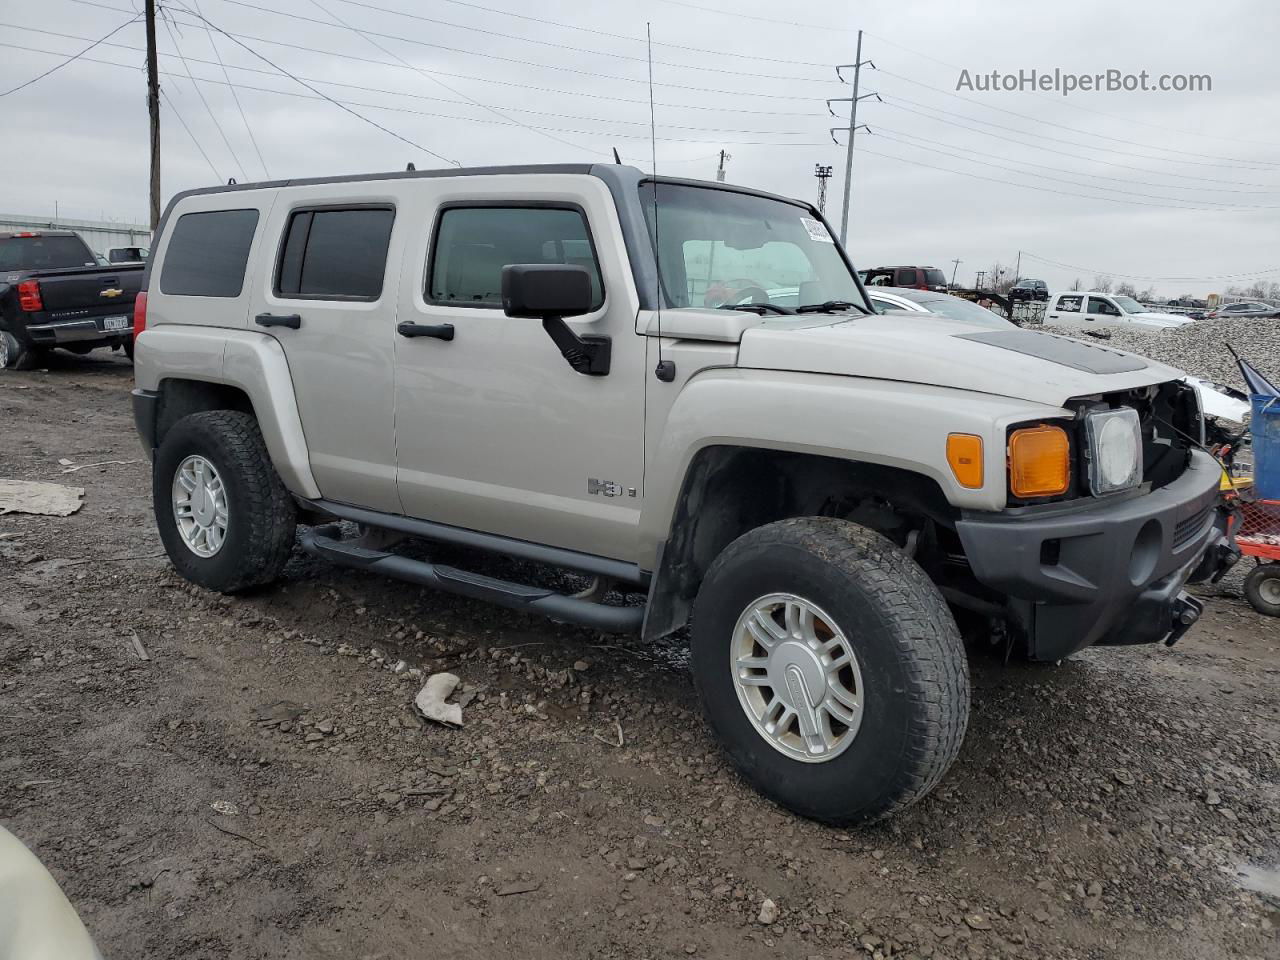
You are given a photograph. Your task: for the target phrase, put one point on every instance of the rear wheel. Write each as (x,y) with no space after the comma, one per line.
(831,669)
(226,520)
(17,354)
(1262,589)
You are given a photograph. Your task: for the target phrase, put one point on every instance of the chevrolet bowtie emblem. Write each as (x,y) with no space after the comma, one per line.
(111,292)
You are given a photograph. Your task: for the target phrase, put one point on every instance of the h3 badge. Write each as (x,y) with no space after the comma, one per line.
(607,488)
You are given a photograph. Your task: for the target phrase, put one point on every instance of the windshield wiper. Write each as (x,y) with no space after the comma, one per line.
(760,308)
(832,306)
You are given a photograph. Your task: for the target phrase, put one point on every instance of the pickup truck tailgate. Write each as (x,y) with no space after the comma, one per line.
(85,294)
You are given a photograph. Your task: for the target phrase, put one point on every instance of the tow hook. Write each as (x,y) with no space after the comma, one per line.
(1186,611)
(1226,555)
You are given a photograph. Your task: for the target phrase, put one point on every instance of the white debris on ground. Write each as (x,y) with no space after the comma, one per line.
(431,699)
(1199,348)
(32,496)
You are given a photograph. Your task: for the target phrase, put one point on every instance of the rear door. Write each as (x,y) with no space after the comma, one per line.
(327,292)
(1067,310)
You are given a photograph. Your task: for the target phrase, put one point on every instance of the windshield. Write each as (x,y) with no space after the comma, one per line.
(1129,305)
(44,253)
(720,248)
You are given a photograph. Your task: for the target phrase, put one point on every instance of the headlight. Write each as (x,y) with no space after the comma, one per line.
(1115,450)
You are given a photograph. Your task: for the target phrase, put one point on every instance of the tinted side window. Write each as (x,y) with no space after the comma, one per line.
(207,254)
(335,254)
(1098,305)
(1069,304)
(473,244)
(906,278)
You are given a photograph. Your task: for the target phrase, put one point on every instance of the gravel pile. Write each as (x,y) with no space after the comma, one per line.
(1200,348)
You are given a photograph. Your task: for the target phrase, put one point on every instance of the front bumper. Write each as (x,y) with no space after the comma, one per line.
(1102,572)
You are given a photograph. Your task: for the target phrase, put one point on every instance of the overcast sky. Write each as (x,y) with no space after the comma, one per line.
(1156,184)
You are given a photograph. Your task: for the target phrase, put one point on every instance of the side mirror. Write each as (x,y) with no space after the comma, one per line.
(542,290)
(550,292)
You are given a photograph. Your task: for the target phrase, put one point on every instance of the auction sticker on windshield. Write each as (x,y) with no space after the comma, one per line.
(817,230)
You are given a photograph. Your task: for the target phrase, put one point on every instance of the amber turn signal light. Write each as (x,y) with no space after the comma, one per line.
(1039,462)
(964,456)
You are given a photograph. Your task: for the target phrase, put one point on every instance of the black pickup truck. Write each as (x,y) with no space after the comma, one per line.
(53,293)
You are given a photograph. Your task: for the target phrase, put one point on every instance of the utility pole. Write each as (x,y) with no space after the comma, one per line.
(720,169)
(1017,270)
(153,111)
(955,265)
(823,173)
(852,129)
(978,283)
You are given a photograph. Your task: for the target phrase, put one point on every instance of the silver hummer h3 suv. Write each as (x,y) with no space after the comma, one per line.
(681,389)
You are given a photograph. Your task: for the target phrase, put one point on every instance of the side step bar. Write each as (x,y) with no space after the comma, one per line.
(618,570)
(515,596)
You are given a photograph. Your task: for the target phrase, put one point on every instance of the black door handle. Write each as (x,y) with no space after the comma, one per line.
(292,321)
(441,331)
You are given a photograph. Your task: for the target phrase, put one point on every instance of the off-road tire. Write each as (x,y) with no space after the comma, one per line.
(262,517)
(1263,578)
(916,677)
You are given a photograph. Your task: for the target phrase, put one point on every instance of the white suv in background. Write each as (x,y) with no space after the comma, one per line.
(1089,308)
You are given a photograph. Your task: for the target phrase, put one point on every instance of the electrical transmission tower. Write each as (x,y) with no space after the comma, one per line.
(823,173)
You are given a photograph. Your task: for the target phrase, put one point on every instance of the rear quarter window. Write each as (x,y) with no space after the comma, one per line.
(208,253)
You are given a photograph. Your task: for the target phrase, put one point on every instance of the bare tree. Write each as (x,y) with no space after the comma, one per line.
(1101,284)
(1127,289)
(1256,289)
(1273,291)
(1076,284)
(1146,296)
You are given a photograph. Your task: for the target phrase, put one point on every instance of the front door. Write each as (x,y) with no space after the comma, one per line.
(1102,312)
(495,431)
(330,300)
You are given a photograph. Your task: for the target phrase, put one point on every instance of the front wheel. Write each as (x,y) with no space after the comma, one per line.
(831,668)
(226,520)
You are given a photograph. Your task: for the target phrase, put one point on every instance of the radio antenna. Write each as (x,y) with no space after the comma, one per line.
(666,369)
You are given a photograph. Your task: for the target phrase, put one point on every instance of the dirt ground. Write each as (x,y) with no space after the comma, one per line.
(260,788)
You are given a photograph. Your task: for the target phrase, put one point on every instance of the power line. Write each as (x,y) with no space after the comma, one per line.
(738,15)
(531,40)
(71,59)
(1024,186)
(166,17)
(1062,126)
(605,135)
(1149,196)
(1137,276)
(527,63)
(1199,134)
(437,80)
(880,129)
(705,51)
(168,100)
(322,94)
(417,96)
(213,43)
(893,98)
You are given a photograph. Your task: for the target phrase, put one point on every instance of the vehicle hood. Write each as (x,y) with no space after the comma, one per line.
(1005,361)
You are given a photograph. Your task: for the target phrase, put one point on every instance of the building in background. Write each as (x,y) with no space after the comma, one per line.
(100,235)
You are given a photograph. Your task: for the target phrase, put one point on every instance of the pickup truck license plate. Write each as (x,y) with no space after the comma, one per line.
(115,323)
